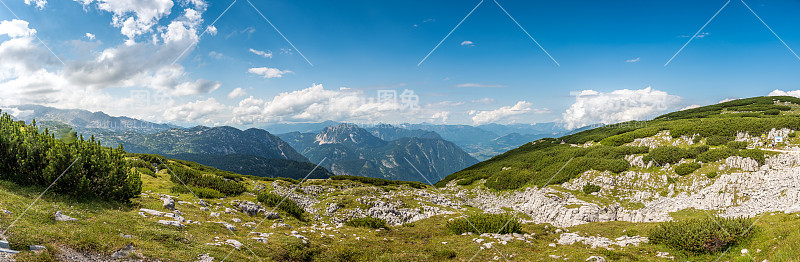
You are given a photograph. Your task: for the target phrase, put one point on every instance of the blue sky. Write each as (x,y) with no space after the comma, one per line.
(486,71)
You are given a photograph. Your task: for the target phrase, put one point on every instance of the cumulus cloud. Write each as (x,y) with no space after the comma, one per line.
(16,28)
(267,72)
(90,36)
(467,43)
(690,107)
(134,18)
(485,117)
(208,111)
(267,54)
(484,100)
(212,30)
(443,116)
(37,3)
(237,93)
(314,104)
(592,107)
(778,92)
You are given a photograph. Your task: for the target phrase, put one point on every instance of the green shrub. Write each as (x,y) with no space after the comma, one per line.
(737,144)
(439,255)
(192,176)
(507,180)
(706,235)
(711,175)
(792,134)
(686,168)
(84,168)
(485,223)
(201,192)
(755,154)
(297,251)
(591,188)
(715,155)
(718,140)
(368,222)
(668,154)
(380,181)
(697,150)
(772,112)
(286,205)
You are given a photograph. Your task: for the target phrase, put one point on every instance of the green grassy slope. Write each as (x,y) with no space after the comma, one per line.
(603,148)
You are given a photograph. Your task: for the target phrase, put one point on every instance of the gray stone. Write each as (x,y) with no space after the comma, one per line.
(170,223)
(169,203)
(250,208)
(63,218)
(126,252)
(272,215)
(37,248)
(4,244)
(205,258)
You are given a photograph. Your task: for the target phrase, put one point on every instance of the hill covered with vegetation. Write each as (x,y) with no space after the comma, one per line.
(555,161)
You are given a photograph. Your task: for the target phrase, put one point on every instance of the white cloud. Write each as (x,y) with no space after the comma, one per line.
(726,100)
(38,3)
(485,117)
(314,104)
(237,93)
(90,36)
(209,111)
(479,85)
(633,60)
(211,29)
(484,100)
(215,55)
(267,54)
(443,115)
(690,107)
(287,51)
(467,43)
(267,72)
(592,107)
(16,28)
(778,92)
(134,18)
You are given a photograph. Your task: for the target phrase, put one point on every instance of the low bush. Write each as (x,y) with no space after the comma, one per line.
(737,144)
(591,188)
(368,222)
(282,204)
(715,155)
(668,154)
(686,168)
(201,192)
(772,112)
(507,180)
(380,181)
(792,134)
(718,140)
(485,223)
(706,235)
(439,255)
(711,175)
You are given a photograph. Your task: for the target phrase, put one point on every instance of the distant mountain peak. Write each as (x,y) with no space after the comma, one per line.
(347,134)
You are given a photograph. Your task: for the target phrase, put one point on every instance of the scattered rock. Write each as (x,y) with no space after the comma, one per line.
(272,215)
(6,212)
(596,259)
(595,242)
(37,248)
(234,243)
(152,212)
(214,214)
(250,208)
(332,209)
(63,218)
(169,203)
(170,223)
(236,220)
(126,252)
(205,258)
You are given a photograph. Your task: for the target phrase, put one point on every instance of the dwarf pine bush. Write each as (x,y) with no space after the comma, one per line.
(707,235)
(485,223)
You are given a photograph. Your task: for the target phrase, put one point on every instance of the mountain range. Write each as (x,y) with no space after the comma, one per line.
(347,149)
